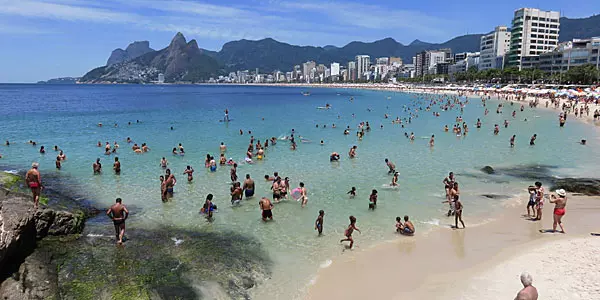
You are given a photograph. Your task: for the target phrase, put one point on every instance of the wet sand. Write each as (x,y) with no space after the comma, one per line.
(444,262)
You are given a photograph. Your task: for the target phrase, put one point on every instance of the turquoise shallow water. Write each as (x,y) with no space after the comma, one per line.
(67,116)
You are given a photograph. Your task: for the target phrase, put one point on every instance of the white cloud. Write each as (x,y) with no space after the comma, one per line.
(26,8)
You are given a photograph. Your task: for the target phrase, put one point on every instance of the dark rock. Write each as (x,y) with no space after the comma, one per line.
(586,186)
(17,227)
(36,278)
(495,196)
(488,170)
(247,282)
(43,220)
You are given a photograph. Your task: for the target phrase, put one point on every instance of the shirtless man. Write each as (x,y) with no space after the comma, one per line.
(432,141)
(391,166)
(222,147)
(248,186)
(512,141)
(97,166)
(118,214)
(117,166)
(559,209)
(170,182)
(276,187)
(408,228)
(266,206)
(163,163)
(33,179)
(529,292)
(233,173)
(236,193)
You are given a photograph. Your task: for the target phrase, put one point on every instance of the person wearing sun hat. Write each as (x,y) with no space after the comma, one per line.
(560,203)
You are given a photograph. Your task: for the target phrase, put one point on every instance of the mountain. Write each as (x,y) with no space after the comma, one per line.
(61,80)
(268,54)
(579,28)
(180,61)
(184,61)
(134,50)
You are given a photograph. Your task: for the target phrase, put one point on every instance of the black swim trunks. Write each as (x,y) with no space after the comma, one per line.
(267,214)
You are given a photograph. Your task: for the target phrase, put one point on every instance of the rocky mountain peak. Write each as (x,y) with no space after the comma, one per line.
(178,41)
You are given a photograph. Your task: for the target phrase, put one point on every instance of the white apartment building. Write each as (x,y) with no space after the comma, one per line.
(533,32)
(335,69)
(362,66)
(494,45)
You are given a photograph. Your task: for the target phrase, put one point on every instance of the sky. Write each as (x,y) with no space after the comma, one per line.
(43,39)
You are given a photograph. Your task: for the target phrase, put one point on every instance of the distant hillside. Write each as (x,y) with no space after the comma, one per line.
(180,61)
(579,28)
(134,50)
(183,61)
(61,80)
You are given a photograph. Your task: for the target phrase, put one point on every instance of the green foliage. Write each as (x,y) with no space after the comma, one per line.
(585,74)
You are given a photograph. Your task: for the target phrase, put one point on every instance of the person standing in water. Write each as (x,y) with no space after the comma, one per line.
(349,231)
(97,166)
(233,173)
(432,141)
(303,194)
(391,166)
(265,207)
(532,140)
(117,166)
(226,118)
(319,222)
(33,179)
(512,141)
(118,213)
(248,187)
(190,173)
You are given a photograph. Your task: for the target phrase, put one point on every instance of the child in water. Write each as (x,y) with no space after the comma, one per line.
(352,192)
(319,222)
(349,231)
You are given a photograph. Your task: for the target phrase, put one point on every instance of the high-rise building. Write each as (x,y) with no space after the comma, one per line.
(426,61)
(383,60)
(533,32)
(161,78)
(395,61)
(306,69)
(494,45)
(352,74)
(362,66)
(335,69)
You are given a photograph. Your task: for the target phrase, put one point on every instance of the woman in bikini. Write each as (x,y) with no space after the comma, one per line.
(559,209)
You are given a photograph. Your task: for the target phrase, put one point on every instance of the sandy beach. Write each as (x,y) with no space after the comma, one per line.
(482,262)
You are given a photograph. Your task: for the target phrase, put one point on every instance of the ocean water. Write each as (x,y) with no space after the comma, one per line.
(67,116)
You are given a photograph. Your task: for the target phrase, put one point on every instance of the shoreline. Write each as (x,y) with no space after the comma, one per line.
(444,261)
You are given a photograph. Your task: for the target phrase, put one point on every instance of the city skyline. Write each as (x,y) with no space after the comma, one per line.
(77,35)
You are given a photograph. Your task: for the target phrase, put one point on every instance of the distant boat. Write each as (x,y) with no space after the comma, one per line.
(306,93)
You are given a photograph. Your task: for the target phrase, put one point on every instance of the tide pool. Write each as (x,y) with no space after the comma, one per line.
(67,116)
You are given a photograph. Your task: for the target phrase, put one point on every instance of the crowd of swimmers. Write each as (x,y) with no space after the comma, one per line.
(280,187)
